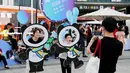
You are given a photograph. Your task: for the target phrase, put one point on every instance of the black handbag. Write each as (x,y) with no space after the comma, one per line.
(57,49)
(24,55)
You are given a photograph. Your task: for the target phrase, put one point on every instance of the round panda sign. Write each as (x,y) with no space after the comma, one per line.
(56,10)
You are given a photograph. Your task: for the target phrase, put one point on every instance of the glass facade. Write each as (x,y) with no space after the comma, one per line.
(34,3)
(22,2)
(1,2)
(26,3)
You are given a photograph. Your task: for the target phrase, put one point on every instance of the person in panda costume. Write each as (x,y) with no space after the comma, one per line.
(67,54)
(35,55)
(70,56)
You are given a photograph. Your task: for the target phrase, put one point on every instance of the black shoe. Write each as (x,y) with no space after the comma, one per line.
(46,59)
(6,67)
(85,56)
(78,64)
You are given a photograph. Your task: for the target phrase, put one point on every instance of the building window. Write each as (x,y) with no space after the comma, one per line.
(34,4)
(18,2)
(22,3)
(26,3)
(1,2)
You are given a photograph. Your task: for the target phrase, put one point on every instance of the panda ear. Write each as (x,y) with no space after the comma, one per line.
(60,28)
(75,25)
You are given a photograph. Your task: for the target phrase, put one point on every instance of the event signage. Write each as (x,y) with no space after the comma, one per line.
(92,7)
(56,10)
(102,1)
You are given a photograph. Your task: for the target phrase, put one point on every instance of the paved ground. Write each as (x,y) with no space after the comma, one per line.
(53,66)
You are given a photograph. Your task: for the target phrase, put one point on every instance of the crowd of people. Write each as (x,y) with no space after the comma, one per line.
(10,39)
(111,33)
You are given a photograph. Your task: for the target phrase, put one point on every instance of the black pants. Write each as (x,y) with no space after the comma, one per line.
(64,69)
(9,54)
(81,45)
(56,55)
(2,58)
(36,67)
(107,72)
(14,44)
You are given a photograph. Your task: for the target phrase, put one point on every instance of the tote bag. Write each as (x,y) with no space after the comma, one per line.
(93,63)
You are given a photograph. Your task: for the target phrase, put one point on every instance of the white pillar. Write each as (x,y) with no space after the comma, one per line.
(5,2)
(11,2)
(8,2)
(31,11)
